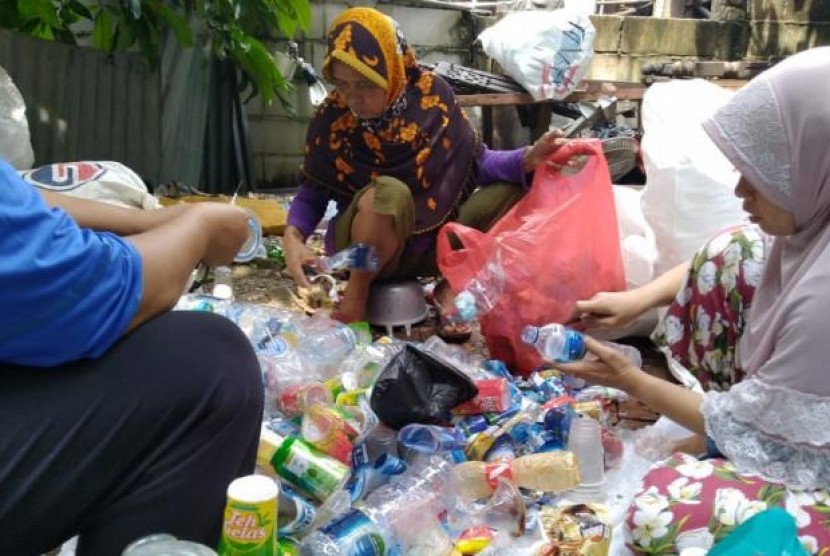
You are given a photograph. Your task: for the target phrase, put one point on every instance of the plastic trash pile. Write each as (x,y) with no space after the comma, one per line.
(389,447)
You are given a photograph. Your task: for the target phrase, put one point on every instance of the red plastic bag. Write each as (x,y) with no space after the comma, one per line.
(557,245)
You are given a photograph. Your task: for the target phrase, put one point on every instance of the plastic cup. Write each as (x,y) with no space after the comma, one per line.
(585,441)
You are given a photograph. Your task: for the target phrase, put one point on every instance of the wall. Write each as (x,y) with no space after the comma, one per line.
(781,27)
(755,29)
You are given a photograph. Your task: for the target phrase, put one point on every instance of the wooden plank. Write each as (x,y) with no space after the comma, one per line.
(625,91)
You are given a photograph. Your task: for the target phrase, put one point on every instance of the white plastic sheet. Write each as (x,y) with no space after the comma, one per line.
(15,144)
(689,195)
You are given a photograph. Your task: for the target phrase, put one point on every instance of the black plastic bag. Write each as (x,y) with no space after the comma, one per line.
(417,387)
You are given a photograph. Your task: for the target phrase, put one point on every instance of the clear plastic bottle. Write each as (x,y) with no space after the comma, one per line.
(321,348)
(360,256)
(431,439)
(223,282)
(481,294)
(548,472)
(560,344)
(555,342)
(358,532)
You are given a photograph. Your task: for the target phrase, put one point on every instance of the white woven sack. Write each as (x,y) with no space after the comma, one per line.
(107,181)
(547,52)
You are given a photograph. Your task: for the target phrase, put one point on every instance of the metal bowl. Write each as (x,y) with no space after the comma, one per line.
(396,303)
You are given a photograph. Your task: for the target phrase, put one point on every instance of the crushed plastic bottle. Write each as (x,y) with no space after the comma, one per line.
(324,346)
(481,294)
(360,256)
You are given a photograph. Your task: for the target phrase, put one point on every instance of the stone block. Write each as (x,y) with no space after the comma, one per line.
(683,37)
(775,38)
(801,11)
(615,67)
(608,33)
(429,27)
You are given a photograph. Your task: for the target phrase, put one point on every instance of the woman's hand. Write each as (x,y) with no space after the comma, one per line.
(549,143)
(544,146)
(297,254)
(604,365)
(610,309)
(610,367)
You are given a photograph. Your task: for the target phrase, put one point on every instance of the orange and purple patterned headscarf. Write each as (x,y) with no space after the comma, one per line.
(423,139)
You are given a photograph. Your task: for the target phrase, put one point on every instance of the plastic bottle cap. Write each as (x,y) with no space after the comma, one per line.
(530,334)
(253,488)
(223,291)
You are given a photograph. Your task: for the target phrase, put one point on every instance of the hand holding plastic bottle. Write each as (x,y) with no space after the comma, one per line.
(605,365)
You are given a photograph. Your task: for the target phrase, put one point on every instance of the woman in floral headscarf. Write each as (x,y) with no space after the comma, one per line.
(395,151)
(767,436)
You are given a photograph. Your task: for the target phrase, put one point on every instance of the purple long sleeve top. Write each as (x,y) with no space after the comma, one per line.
(309,205)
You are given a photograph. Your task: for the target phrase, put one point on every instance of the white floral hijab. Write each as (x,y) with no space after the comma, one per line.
(776,131)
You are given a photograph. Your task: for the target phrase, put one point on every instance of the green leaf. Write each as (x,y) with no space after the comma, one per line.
(41,10)
(178,24)
(103,30)
(42,31)
(79,9)
(125,36)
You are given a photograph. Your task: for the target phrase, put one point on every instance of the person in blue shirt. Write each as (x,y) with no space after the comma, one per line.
(118,417)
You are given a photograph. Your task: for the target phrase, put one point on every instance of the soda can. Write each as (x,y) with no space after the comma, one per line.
(309,469)
(250,521)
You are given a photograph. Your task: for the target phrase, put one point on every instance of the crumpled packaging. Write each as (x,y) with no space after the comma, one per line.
(578,530)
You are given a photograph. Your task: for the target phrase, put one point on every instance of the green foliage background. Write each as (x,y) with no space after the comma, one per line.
(228,28)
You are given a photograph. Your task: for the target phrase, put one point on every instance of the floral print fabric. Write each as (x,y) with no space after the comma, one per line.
(686,502)
(706,319)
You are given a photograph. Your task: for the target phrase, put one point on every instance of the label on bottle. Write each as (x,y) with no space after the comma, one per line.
(492,472)
(355,535)
(304,513)
(573,347)
(249,526)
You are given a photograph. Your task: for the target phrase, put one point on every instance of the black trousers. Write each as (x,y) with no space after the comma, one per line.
(143,440)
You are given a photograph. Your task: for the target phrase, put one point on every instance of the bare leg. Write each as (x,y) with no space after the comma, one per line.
(377,230)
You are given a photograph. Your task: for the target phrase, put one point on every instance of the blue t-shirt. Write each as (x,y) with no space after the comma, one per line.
(66,292)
